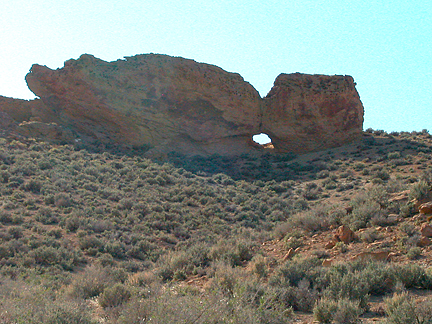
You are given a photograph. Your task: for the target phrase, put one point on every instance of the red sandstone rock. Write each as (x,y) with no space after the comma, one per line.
(45,131)
(23,110)
(330,245)
(426,230)
(6,121)
(327,262)
(170,103)
(304,113)
(289,254)
(426,208)
(153,100)
(424,241)
(376,256)
(345,234)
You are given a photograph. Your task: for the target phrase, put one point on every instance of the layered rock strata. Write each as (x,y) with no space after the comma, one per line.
(175,104)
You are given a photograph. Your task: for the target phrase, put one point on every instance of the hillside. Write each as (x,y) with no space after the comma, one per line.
(98,235)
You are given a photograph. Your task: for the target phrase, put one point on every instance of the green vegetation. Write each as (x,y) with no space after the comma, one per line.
(91,237)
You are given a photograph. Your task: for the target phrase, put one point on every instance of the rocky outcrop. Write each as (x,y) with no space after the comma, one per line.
(304,113)
(24,110)
(46,131)
(152,100)
(343,234)
(375,256)
(174,104)
(6,122)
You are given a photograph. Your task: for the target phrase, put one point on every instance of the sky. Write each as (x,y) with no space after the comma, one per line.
(385,45)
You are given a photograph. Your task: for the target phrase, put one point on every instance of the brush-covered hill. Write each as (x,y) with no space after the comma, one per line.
(105,236)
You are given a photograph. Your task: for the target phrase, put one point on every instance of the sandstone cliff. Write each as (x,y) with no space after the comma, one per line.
(170,103)
(304,113)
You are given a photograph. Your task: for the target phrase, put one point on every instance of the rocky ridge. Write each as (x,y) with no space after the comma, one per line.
(165,103)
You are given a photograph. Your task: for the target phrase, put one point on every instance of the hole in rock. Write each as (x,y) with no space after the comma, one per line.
(263,139)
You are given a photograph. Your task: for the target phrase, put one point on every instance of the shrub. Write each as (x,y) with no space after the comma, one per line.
(413,276)
(225,278)
(343,311)
(134,312)
(382,174)
(5,217)
(292,272)
(62,200)
(46,216)
(90,242)
(33,185)
(26,303)
(46,255)
(408,229)
(259,266)
(357,280)
(67,311)
(16,232)
(362,214)
(419,190)
(347,312)
(318,218)
(115,248)
(393,155)
(323,174)
(370,235)
(311,192)
(115,296)
(72,224)
(324,310)
(231,253)
(91,282)
(414,253)
(402,309)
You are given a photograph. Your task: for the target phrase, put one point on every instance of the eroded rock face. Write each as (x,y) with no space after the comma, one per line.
(21,110)
(153,100)
(175,104)
(304,113)
(45,131)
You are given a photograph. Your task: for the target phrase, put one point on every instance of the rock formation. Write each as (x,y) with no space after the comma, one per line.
(426,208)
(426,230)
(304,113)
(174,104)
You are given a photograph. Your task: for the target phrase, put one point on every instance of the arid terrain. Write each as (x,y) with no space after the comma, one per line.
(91,234)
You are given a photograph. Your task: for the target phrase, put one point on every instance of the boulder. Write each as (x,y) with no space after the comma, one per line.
(345,234)
(330,244)
(289,254)
(304,113)
(328,262)
(399,197)
(424,241)
(376,256)
(426,230)
(426,208)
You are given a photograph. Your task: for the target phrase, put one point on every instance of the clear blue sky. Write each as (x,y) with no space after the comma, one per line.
(385,45)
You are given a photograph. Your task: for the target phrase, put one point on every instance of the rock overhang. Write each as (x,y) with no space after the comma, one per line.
(176,104)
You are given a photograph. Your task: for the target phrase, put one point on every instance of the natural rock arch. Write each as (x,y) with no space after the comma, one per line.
(171,103)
